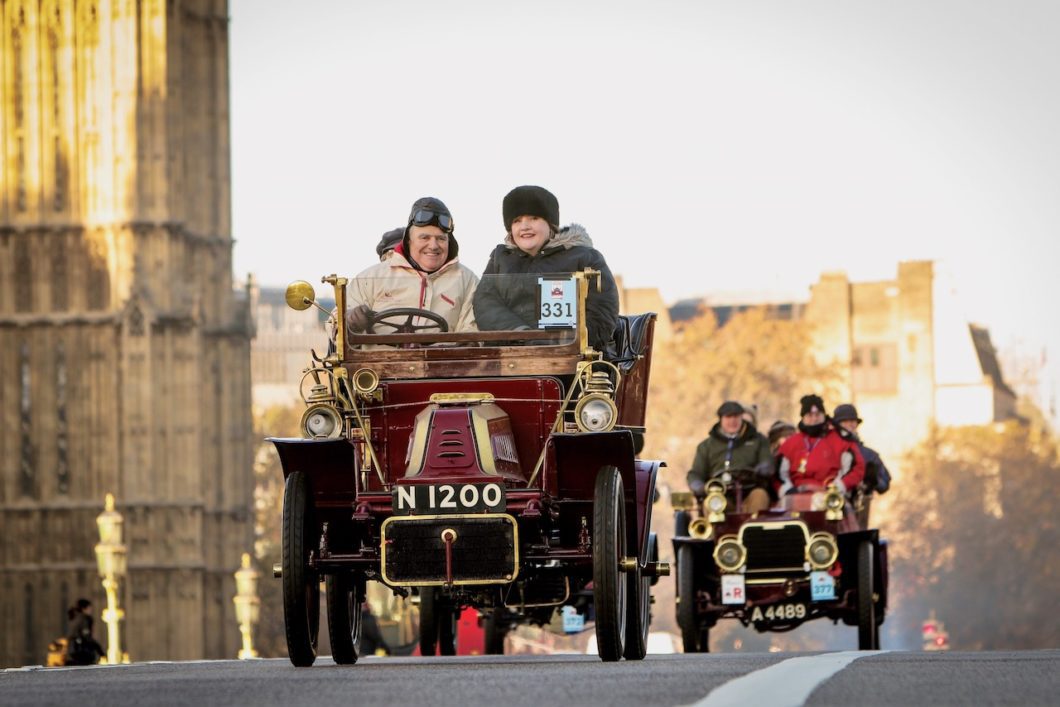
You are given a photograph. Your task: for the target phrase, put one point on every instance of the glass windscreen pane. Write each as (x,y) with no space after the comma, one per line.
(536,309)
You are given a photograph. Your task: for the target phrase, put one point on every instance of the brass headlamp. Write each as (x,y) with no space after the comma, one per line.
(715,502)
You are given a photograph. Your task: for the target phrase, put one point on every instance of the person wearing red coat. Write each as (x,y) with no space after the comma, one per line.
(817,455)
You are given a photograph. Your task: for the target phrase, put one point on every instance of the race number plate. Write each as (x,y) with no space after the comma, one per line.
(822,586)
(573,622)
(779,613)
(557,303)
(449,498)
(732,589)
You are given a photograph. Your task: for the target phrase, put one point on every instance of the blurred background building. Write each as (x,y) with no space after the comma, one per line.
(124,352)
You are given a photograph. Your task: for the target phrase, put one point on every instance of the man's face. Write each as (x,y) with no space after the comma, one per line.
(849,425)
(813,417)
(730,424)
(530,233)
(429,246)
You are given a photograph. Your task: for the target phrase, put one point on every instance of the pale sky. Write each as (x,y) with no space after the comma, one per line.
(705,146)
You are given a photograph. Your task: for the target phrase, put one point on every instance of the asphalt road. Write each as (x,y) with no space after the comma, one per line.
(847,679)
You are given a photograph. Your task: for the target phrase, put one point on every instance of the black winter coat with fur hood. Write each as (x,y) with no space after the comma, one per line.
(511,302)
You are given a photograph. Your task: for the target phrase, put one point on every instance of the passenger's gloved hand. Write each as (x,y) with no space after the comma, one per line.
(765,471)
(358,318)
(698,488)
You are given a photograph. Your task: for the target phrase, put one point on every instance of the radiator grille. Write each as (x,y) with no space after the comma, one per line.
(485,550)
(775,547)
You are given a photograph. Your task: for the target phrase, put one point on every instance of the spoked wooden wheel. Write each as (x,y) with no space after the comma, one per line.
(638,609)
(344,617)
(610,585)
(301,585)
(868,631)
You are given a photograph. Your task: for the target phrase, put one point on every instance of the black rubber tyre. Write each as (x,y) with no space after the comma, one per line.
(428,622)
(694,638)
(868,631)
(301,585)
(638,608)
(447,617)
(681,521)
(495,629)
(437,624)
(610,586)
(344,617)
(653,550)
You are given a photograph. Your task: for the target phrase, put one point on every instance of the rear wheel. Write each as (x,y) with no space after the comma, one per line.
(694,638)
(868,631)
(437,623)
(610,586)
(681,521)
(495,629)
(344,617)
(301,585)
(638,608)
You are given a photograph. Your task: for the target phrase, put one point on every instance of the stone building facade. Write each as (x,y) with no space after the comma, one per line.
(124,353)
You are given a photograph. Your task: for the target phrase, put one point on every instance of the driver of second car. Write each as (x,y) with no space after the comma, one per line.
(422,273)
(734,445)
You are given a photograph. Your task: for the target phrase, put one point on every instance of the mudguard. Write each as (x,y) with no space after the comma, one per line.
(327,463)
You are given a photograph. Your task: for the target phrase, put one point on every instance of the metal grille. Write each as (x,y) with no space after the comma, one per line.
(484,550)
(773,547)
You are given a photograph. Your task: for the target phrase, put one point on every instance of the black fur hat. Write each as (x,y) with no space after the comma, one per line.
(530,201)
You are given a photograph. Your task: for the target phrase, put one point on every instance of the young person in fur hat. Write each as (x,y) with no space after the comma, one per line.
(422,272)
(816,455)
(536,245)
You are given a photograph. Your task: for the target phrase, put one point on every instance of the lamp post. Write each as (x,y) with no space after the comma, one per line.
(111,561)
(248,606)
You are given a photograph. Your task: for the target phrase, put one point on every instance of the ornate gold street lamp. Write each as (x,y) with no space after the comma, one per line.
(110,558)
(248,606)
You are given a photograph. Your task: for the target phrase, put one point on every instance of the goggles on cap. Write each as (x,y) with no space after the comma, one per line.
(426,217)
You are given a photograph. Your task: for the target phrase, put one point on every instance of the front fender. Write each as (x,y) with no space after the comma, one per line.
(327,463)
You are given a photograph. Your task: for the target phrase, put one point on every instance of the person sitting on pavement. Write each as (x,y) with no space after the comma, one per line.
(423,272)
(877,479)
(81,647)
(734,444)
(779,431)
(534,244)
(816,455)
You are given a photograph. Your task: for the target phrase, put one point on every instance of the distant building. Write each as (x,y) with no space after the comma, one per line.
(903,352)
(282,345)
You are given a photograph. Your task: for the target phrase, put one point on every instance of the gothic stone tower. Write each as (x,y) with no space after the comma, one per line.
(124,354)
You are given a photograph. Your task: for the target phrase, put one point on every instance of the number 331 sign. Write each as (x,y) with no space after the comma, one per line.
(558,303)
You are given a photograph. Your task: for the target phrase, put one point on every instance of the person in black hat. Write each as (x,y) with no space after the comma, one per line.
(733,444)
(389,242)
(877,478)
(423,272)
(779,431)
(816,456)
(535,244)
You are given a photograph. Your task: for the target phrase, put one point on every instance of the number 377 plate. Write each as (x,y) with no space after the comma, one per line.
(434,499)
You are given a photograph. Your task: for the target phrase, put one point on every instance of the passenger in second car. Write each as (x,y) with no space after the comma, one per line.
(535,245)
(816,455)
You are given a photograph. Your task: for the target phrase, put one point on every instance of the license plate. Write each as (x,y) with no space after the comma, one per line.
(822,586)
(449,498)
(778,613)
(732,589)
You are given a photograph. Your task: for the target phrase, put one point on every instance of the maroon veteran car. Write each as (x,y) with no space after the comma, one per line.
(496,470)
(805,558)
